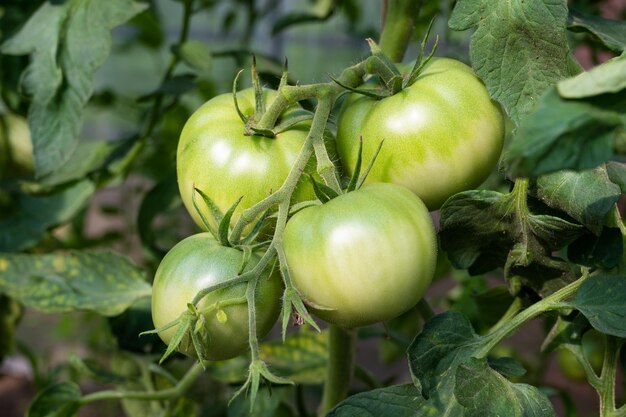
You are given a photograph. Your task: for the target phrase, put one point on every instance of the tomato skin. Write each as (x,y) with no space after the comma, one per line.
(216,157)
(369,255)
(196,263)
(442,135)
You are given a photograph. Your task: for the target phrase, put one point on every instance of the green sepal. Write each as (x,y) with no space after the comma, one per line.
(258,226)
(381,63)
(268,133)
(224,225)
(375,93)
(183,327)
(322,191)
(354,180)
(196,342)
(259,103)
(298,117)
(215,211)
(284,79)
(242,116)
(421,62)
(370,165)
(247,255)
(258,369)
(291,300)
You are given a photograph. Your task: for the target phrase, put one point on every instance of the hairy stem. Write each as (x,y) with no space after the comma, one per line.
(340,366)
(399,24)
(606,388)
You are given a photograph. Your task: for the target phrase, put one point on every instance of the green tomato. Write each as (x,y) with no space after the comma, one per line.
(442,135)
(365,256)
(16,148)
(198,262)
(216,157)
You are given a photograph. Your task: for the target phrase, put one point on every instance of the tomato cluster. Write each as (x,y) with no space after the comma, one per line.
(364,256)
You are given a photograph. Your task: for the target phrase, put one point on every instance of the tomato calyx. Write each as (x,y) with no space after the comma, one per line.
(392,80)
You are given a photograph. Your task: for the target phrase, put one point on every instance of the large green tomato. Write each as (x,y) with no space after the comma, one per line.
(198,262)
(368,255)
(442,134)
(216,157)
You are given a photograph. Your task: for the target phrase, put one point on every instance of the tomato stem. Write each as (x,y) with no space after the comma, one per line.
(400,17)
(341,343)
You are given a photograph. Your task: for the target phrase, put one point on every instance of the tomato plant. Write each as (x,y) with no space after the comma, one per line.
(196,263)
(443,134)
(364,257)
(96,222)
(216,157)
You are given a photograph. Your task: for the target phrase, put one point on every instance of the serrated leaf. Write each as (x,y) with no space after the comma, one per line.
(197,55)
(482,230)
(566,134)
(68,43)
(528,36)
(602,299)
(36,214)
(104,282)
(482,391)
(612,33)
(586,196)
(58,400)
(395,401)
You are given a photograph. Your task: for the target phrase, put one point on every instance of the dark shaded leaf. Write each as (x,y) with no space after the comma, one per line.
(36,214)
(10,313)
(529,38)
(612,33)
(320,11)
(394,401)
(58,400)
(604,251)
(566,134)
(68,43)
(103,282)
(196,54)
(586,196)
(507,367)
(602,299)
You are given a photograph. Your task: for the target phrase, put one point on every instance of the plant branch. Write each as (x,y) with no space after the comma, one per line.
(399,24)
(180,388)
(341,344)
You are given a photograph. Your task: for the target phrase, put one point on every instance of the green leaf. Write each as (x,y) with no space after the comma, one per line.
(566,134)
(519,48)
(604,251)
(103,282)
(507,367)
(36,214)
(446,340)
(223,227)
(68,43)
(88,157)
(612,33)
(395,401)
(94,370)
(610,77)
(58,400)
(482,391)
(482,230)
(586,196)
(196,54)
(10,313)
(602,299)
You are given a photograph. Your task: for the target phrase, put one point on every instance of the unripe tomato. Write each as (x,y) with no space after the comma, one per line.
(368,255)
(198,262)
(442,135)
(216,157)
